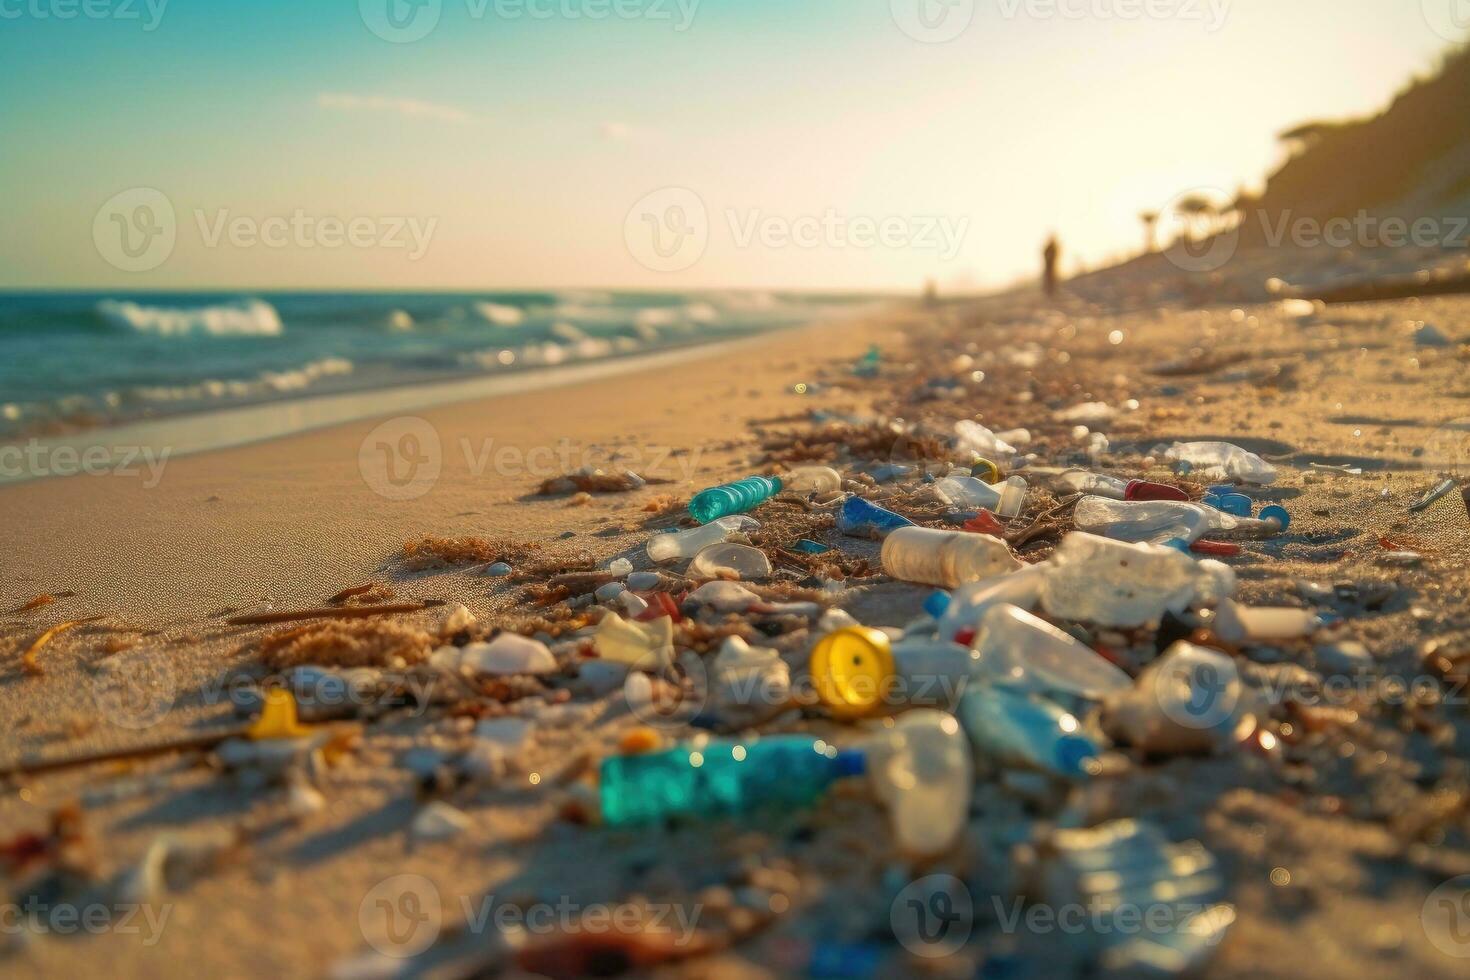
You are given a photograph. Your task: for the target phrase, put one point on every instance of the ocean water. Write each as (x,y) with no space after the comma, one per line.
(71,361)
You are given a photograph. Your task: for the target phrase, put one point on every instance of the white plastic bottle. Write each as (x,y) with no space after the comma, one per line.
(946,559)
(921,770)
(687,544)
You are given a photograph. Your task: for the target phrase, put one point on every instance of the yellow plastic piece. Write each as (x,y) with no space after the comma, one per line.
(278,718)
(850,669)
(984,470)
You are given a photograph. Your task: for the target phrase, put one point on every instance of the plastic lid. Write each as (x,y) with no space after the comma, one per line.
(936,604)
(850,670)
(1276,513)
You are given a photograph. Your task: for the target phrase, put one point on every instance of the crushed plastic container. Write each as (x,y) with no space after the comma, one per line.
(733,498)
(687,544)
(861,517)
(1112,583)
(1222,461)
(1153,521)
(921,771)
(727,558)
(1119,868)
(811,479)
(646,646)
(966,491)
(947,559)
(1011,728)
(1030,652)
(746,677)
(721,777)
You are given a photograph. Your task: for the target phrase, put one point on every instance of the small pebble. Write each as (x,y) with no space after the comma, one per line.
(643,581)
(610,591)
(620,567)
(498,569)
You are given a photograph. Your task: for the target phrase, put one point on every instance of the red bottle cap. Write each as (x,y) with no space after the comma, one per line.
(1219,549)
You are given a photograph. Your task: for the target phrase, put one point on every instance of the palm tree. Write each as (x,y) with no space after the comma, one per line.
(1199,214)
(1150,221)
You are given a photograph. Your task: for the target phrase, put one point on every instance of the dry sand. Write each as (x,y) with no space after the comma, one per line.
(1366,818)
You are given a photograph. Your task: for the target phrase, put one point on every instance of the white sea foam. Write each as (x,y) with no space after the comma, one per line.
(501,316)
(267,382)
(255,318)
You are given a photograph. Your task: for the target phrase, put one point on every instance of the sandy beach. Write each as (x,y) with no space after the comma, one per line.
(1330,843)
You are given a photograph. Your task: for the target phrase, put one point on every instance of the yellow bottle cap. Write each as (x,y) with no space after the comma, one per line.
(850,670)
(278,718)
(984,470)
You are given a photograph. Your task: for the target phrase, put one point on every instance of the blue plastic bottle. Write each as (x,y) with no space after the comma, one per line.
(858,516)
(733,498)
(1014,728)
(721,778)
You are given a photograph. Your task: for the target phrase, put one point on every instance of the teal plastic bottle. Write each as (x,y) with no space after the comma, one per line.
(721,778)
(733,498)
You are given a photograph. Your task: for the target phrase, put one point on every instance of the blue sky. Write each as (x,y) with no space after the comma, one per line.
(526,140)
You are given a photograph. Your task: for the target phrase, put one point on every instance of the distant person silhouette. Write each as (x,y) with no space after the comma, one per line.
(1050,256)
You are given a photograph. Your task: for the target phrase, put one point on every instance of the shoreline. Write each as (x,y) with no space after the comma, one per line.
(159,439)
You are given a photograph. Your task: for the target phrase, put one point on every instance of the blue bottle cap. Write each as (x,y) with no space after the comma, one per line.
(1072,751)
(851,762)
(1276,513)
(936,604)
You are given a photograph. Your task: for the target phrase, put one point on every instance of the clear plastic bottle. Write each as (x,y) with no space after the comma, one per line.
(947,559)
(966,491)
(1154,521)
(1112,583)
(921,770)
(1010,728)
(812,479)
(1097,484)
(1012,497)
(1015,643)
(969,603)
(687,544)
(733,498)
(721,778)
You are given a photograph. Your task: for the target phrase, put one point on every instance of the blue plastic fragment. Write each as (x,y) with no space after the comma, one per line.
(936,604)
(861,517)
(809,547)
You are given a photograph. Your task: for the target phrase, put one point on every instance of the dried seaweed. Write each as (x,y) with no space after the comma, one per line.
(369,593)
(432,552)
(28,659)
(354,643)
(331,612)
